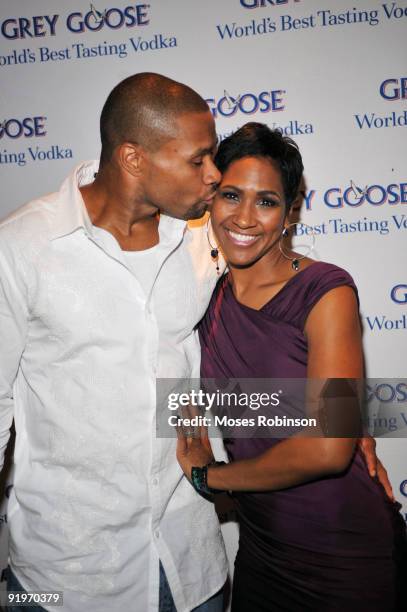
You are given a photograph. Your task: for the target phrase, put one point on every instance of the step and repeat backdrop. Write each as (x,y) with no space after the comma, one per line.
(332,75)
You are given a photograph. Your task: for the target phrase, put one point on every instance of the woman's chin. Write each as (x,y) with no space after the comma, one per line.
(240,261)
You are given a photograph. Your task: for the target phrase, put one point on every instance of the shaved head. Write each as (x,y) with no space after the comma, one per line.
(143,109)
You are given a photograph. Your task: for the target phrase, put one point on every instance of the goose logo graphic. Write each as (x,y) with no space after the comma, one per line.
(247,103)
(97,15)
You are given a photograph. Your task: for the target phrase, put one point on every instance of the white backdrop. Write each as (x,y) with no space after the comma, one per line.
(331,76)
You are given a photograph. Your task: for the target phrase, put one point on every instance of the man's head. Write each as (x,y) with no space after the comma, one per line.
(161,135)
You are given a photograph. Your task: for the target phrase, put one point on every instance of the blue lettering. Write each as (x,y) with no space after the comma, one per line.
(28,127)
(365,120)
(29,28)
(113,18)
(226,30)
(110,22)
(399,294)
(394,196)
(250,108)
(396,92)
(328,193)
(401,389)
(400,222)
(52,23)
(264,103)
(253,4)
(376,322)
(308,198)
(374,121)
(377,188)
(394,11)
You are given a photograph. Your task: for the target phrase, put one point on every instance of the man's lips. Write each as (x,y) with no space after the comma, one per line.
(210,197)
(244,240)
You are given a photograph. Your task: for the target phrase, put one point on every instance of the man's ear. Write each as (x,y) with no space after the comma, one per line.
(130,157)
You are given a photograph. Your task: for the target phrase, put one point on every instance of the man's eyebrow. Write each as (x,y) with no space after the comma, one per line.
(205,150)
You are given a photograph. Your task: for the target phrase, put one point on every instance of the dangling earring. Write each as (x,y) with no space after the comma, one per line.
(214,249)
(295,261)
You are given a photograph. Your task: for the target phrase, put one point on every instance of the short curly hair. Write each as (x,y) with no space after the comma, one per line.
(258,140)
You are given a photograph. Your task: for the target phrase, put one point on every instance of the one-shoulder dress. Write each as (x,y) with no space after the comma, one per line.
(337,543)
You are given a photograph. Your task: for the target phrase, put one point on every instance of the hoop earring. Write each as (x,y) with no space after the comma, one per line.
(295,261)
(214,249)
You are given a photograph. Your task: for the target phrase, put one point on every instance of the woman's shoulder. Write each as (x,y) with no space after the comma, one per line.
(325,274)
(310,284)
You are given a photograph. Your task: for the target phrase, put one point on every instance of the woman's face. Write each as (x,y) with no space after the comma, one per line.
(248,212)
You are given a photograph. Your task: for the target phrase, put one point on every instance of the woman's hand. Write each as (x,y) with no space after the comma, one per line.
(368,447)
(194,452)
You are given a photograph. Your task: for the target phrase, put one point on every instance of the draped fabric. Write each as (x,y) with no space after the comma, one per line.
(330,544)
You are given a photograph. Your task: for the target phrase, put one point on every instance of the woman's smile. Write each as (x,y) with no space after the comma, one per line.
(241,240)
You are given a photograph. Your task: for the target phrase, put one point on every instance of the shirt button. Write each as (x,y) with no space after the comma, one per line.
(156,534)
(155,481)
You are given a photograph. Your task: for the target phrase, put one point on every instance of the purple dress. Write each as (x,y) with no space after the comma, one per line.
(336,543)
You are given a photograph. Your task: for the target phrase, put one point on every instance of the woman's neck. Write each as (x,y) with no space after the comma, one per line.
(256,284)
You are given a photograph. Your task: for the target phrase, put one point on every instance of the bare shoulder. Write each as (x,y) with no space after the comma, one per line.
(337,305)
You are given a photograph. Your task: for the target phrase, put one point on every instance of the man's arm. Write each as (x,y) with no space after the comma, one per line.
(13,330)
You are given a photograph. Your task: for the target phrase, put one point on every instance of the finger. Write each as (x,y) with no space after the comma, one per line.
(206,443)
(180,433)
(384,480)
(181,442)
(368,446)
(204,434)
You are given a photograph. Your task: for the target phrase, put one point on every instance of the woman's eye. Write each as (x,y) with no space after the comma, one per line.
(266,202)
(229,195)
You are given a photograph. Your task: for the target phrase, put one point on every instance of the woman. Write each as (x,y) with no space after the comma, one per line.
(316,532)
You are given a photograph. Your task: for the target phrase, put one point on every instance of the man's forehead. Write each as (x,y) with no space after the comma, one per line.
(195,123)
(196,131)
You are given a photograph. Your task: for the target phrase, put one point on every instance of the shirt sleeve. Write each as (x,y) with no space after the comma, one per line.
(13,330)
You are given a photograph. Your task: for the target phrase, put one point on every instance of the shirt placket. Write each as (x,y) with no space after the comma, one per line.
(155,488)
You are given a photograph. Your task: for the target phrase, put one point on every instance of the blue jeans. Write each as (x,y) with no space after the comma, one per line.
(214,604)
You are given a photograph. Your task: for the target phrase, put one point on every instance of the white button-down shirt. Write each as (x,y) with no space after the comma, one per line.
(97,498)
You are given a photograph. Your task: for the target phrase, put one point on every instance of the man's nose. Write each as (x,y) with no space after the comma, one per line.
(212,174)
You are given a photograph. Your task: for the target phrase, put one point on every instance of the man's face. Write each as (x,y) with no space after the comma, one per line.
(180,178)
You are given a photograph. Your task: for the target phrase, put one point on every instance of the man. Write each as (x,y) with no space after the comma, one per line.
(99,296)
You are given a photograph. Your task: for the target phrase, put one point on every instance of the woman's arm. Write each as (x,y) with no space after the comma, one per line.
(335,351)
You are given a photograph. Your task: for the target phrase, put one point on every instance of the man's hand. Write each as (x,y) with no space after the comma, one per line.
(194,452)
(375,467)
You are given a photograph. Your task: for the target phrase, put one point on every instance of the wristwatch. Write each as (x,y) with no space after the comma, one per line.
(199,478)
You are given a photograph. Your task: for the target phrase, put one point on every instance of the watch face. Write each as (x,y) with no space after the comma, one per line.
(198,477)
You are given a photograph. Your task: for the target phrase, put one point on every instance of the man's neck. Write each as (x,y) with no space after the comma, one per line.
(111,207)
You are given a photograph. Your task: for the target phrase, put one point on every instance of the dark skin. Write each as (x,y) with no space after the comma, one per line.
(178,178)
(248,216)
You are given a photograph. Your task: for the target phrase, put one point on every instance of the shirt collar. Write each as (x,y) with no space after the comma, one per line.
(72,213)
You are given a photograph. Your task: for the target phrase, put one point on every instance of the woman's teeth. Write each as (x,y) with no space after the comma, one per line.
(241,238)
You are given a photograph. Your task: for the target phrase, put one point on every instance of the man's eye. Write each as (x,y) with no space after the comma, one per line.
(197,162)
(266,202)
